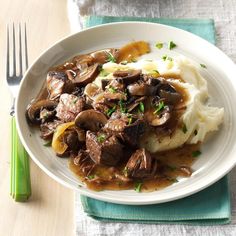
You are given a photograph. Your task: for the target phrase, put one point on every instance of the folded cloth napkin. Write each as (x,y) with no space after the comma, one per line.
(208,207)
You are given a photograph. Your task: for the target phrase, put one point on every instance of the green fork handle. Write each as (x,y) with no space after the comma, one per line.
(20,188)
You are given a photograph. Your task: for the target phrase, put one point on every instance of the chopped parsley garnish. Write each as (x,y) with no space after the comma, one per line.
(123,109)
(48,144)
(141,107)
(91,176)
(165,57)
(112,89)
(75,100)
(156,71)
(174,180)
(159,108)
(184,129)
(110,57)
(125,171)
(130,120)
(101,138)
(159,45)
(196,153)
(203,66)
(124,62)
(103,73)
(133,60)
(172,168)
(138,186)
(171,45)
(111,110)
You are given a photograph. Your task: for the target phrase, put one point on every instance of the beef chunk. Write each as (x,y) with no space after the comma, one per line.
(69,107)
(57,83)
(102,149)
(141,165)
(129,133)
(47,129)
(85,163)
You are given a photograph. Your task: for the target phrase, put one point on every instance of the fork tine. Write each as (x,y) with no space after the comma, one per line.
(20,52)
(8,59)
(14,50)
(26,50)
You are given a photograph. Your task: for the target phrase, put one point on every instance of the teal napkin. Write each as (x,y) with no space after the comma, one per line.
(208,207)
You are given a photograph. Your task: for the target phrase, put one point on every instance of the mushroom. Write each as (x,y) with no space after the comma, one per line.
(127,76)
(33,111)
(87,75)
(141,89)
(170,97)
(90,120)
(158,119)
(102,56)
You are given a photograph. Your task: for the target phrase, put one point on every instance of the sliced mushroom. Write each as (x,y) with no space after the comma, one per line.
(170,97)
(142,89)
(88,75)
(135,103)
(33,111)
(158,119)
(103,56)
(83,61)
(128,76)
(90,120)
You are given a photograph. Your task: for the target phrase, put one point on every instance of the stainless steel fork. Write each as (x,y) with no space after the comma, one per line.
(17,63)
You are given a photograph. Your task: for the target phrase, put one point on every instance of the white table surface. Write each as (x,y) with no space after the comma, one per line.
(224,15)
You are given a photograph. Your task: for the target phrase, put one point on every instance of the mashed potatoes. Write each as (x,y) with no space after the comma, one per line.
(199,118)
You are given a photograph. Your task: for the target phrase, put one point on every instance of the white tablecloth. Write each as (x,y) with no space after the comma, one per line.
(224,14)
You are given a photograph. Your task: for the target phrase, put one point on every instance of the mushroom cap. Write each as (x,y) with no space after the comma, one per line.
(127,76)
(87,75)
(32,113)
(90,120)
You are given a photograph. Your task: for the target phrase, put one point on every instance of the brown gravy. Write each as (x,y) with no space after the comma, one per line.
(172,164)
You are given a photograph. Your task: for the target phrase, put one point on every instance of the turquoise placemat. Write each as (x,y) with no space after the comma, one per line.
(208,207)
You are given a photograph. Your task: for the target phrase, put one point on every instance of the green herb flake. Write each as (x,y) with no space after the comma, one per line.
(123,109)
(104,73)
(172,168)
(48,144)
(130,120)
(138,186)
(196,153)
(159,108)
(112,89)
(133,60)
(111,110)
(184,129)
(125,171)
(171,45)
(164,57)
(203,66)
(75,100)
(101,138)
(91,177)
(156,71)
(159,45)
(141,107)
(110,57)
(124,62)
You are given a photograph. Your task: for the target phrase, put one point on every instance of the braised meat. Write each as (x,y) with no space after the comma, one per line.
(104,150)
(141,165)
(69,107)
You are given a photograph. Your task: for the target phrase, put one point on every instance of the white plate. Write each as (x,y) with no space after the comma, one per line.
(218,153)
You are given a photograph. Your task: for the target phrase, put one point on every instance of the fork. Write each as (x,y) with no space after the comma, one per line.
(17,63)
